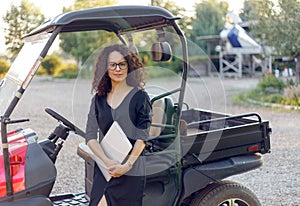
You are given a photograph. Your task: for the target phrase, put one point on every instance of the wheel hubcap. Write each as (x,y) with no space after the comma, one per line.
(234,202)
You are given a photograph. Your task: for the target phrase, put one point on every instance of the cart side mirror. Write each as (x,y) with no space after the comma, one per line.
(161,51)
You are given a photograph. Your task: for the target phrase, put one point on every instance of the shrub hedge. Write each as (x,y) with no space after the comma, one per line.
(271,89)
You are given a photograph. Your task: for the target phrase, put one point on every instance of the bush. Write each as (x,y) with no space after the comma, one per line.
(4,66)
(273,90)
(41,71)
(153,73)
(67,71)
(270,84)
(50,64)
(292,95)
(273,98)
(175,64)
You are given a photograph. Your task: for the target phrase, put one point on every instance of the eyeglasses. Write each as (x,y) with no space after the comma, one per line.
(113,66)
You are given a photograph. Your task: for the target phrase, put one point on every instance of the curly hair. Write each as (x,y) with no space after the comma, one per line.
(102,83)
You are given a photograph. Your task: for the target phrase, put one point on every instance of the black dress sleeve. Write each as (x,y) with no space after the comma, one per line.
(91,131)
(143,118)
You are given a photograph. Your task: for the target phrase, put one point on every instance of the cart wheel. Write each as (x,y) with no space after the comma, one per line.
(225,193)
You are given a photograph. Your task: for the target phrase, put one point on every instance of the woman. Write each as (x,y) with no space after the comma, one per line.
(118,84)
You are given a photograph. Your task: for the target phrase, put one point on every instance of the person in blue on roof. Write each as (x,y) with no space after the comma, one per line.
(119,86)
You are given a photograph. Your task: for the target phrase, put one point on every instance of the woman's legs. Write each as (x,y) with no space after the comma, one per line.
(102,201)
(99,183)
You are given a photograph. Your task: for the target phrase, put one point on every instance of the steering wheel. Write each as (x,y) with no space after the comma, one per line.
(66,122)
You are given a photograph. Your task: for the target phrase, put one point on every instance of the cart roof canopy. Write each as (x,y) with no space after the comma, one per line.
(116,19)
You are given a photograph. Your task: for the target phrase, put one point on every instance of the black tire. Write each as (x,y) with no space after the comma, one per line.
(225,193)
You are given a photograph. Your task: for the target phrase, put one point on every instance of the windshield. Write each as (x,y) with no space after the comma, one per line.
(22,68)
(161,77)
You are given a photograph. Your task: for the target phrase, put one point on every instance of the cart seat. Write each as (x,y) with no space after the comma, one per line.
(163,112)
(160,158)
(163,116)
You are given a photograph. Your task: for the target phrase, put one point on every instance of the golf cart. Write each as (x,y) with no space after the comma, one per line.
(191,150)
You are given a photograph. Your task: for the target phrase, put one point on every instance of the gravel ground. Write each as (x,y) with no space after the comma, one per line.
(276,183)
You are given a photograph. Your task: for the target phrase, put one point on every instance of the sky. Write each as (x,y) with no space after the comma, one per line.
(54,7)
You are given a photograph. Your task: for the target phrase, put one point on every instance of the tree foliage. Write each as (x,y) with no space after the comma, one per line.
(249,10)
(278,27)
(20,20)
(208,20)
(185,22)
(86,4)
(80,45)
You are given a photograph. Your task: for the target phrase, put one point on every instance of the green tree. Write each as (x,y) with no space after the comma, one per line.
(185,22)
(86,4)
(80,45)
(20,20)
(248,10)
(209,20)
(278,27)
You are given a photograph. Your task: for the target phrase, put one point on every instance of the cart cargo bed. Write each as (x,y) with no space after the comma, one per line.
(212,136)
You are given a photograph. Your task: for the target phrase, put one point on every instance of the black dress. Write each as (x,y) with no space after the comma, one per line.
(133,115)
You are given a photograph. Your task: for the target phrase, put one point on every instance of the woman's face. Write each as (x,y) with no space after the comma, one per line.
(117,67)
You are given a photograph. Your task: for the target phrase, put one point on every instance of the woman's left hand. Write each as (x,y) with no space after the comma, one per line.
(118,170)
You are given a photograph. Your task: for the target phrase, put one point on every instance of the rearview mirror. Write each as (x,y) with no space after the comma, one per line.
(161,51)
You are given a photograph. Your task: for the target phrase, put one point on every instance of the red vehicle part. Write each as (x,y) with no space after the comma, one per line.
(17,152)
